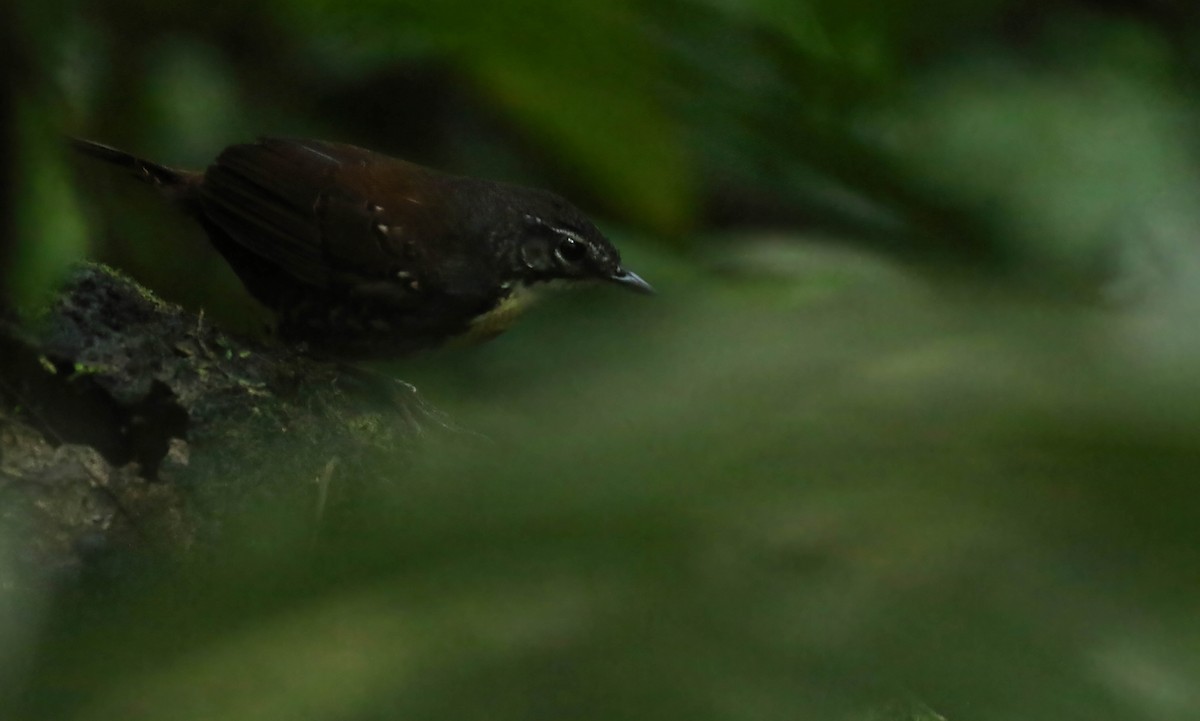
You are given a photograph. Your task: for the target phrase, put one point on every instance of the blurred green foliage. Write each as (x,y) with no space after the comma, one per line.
(49,227)
(909,433)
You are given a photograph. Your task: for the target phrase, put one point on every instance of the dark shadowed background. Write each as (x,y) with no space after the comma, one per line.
(910,431)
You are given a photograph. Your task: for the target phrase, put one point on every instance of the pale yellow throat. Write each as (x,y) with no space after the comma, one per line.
(501,318)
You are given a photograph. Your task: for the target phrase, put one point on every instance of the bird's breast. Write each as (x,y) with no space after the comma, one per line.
(501,316)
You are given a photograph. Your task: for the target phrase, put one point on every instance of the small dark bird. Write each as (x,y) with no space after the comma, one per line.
(361,255)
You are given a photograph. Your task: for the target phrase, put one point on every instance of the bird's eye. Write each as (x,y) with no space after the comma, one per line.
(571,250)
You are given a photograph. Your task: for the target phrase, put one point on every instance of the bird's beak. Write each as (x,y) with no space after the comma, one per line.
(633,281)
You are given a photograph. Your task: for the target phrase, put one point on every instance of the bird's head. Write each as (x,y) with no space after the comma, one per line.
(555,241)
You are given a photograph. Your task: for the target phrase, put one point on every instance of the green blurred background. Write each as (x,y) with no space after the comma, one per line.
(909,432)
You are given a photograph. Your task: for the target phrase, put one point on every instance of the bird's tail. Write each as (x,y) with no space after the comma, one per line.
(146,170)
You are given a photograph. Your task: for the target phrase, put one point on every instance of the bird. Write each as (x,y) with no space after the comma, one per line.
(361,255)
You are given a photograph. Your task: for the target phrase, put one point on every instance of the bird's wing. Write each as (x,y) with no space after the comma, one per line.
(263,197)
(289,202)
(330,215)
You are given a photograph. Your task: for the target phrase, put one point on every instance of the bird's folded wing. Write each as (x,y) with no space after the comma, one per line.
(264,195)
